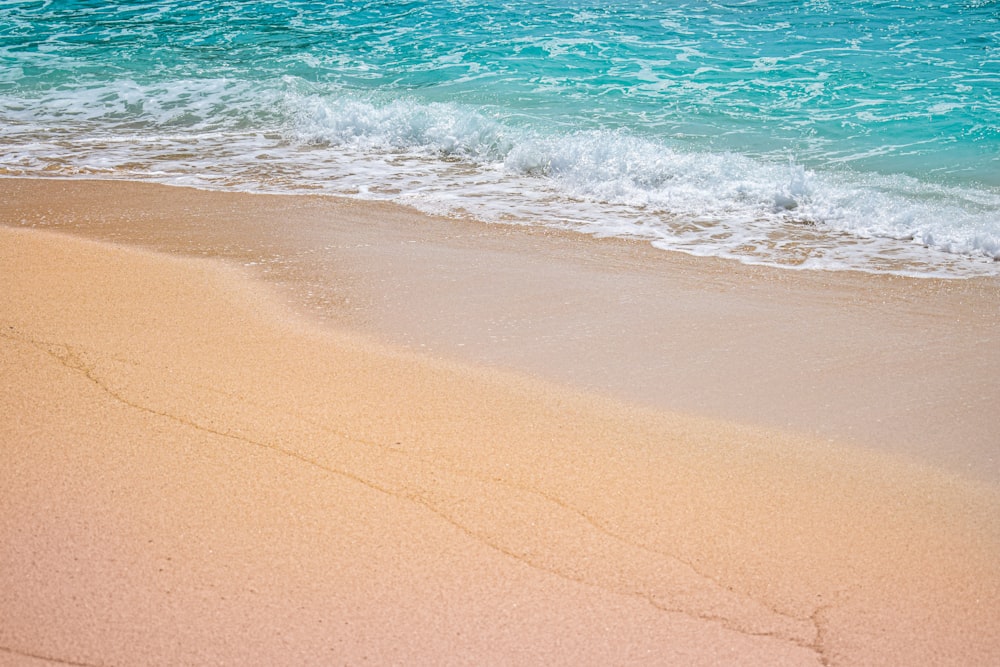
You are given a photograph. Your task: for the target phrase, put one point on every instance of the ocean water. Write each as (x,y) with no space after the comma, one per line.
(825,134)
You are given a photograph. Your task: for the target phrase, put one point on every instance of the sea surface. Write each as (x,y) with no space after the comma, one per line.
(830,134)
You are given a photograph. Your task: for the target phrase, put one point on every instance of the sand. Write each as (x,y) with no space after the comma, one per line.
(907,366)
(201,466)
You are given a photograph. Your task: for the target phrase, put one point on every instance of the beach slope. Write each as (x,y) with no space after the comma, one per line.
(191,474)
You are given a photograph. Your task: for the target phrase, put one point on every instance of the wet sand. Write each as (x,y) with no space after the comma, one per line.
(889,363)
(237,459)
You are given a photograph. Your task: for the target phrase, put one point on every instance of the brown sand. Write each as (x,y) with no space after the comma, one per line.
(191,475)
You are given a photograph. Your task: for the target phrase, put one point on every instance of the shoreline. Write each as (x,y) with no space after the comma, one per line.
(196,472)
(895,364)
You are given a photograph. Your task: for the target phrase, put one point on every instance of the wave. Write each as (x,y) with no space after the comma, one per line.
(664,185)
(492,164)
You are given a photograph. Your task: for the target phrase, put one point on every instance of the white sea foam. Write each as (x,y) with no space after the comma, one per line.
(460,160)
(613,183)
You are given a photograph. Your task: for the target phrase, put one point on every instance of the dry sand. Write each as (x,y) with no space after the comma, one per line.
(193,473)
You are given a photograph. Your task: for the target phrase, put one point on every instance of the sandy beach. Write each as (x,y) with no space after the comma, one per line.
(243,429)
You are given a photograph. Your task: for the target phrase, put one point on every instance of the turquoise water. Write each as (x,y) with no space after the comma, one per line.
(835,135)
